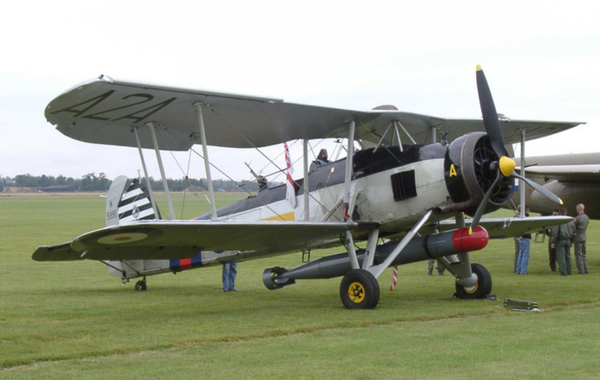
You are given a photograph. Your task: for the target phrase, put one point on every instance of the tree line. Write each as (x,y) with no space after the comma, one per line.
(99,182)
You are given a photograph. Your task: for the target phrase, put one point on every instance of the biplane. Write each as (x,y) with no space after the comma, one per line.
(399,191)
(573,177)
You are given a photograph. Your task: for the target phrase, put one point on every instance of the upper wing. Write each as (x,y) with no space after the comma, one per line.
(499,228)
(185,239)
(566,173)
(104,111)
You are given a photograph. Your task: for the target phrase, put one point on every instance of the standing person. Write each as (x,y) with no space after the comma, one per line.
(564,241)
(523,258)
(439,268)
(581,223)
(517,246)
(552,234)
(229,274)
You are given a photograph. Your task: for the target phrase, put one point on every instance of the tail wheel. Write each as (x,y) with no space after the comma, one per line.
(140,286)
(482,288)
(359,290)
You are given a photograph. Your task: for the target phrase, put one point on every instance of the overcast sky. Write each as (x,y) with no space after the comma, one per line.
(541,59)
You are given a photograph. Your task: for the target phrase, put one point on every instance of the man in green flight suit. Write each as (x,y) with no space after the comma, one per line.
(564,241)
(581,224)
(552,234)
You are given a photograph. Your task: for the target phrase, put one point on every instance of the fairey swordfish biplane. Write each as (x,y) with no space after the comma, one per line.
(405,201)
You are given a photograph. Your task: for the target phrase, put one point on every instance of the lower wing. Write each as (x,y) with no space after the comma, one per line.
(154,240)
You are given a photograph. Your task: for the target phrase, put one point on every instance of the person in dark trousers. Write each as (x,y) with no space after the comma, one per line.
(552,233)
(523,257)
(564,242)
(581,223)
(229,275)
(440,268)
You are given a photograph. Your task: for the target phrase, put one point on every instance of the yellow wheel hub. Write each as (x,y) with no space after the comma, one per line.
(356,292)
(471,289)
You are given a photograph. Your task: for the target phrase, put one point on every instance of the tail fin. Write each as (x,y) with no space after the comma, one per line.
(124,205)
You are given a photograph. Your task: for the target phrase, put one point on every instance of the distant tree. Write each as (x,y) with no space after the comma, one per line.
(26,180)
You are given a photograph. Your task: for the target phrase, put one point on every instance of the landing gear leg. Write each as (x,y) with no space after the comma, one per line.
(141,286)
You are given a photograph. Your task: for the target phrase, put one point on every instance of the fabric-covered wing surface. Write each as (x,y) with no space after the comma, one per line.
(185,239)
(566,173)
(104,111)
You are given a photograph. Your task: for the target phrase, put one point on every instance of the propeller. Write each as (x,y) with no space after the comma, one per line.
(505,166)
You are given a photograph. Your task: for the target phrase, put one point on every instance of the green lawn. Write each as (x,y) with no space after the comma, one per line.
(74,321)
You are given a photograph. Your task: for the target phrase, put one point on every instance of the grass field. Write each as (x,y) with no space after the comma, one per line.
(74,321)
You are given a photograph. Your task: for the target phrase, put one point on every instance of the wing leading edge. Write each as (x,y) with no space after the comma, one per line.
(105,111)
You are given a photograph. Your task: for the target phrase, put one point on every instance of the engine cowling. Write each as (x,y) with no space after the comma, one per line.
(470,168)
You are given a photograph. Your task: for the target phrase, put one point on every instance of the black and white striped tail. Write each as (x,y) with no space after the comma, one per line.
(136,204)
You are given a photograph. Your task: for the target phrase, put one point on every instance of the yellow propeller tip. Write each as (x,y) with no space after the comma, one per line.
(478,68)
(470,231)
(561,202)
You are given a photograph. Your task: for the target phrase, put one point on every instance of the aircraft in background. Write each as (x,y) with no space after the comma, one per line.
(573,177)
(390,189)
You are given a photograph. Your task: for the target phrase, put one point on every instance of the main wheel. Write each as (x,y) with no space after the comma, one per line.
(359,290)
(140,286)
(480,289)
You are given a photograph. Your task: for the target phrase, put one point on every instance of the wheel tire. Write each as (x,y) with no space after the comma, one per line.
(482,288)
(140,286)
(359,289)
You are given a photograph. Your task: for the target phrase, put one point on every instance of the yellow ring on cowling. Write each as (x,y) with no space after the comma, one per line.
(507,165)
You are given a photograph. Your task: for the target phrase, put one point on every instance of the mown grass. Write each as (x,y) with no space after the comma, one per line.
(73,320)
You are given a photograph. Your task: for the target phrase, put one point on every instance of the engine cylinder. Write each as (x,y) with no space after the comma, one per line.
(470,168)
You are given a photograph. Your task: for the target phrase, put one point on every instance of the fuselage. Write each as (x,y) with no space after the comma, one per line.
(390,187)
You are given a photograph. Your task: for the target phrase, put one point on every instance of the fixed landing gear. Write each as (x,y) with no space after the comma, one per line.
(482,288)
(141,285)
(359,290)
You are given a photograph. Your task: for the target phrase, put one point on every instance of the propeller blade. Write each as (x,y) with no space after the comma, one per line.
(490,116)
(483,204)
(542,190)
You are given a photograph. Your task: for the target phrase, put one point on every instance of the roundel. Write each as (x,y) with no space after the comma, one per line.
(122,238)
(136,212)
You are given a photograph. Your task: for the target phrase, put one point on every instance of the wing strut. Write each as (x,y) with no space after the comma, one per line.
(521,182)
(305,182)
(137,140)
(377,270)
(348,180)
(200,126)
(162,168)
